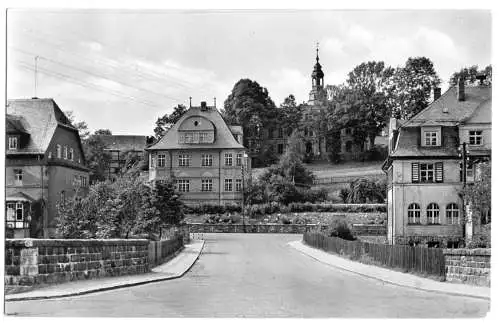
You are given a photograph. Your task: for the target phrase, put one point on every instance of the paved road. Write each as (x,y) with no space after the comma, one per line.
(241,275)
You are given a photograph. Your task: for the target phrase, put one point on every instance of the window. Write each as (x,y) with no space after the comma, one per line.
(239,159)
(280,133)
(280,148)
(427,172)
(184,160)
(452,213)
(431,138)
(71,154)
(12,142)
(476,138)
(161,160)
(58,149)
(238,185)
(11,212)
(18,176)
(433,213)
(206,184)
(183,185)
(19,211)
(65,152)
(206,160)
(414,214)
(228,184)
(228,159)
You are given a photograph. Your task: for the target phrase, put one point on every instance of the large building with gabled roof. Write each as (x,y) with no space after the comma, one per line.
(44,164)
(425,166)
(203,156)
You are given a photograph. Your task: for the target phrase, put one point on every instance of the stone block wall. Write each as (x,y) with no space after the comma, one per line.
(30,262)
(470,266)
(161,251)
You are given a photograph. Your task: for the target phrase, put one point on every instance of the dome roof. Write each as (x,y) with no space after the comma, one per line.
(317,71)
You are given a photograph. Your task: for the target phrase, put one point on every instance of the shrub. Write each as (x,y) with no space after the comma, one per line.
(344,194)
(340,229)
(285,221)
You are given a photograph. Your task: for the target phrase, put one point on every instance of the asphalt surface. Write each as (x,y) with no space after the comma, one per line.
(259,275)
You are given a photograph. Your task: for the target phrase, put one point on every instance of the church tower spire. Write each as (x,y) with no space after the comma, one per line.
(317,92)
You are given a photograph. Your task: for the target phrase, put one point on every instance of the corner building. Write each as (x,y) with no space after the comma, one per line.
(203,156)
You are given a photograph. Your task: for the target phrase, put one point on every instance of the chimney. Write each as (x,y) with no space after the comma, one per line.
(461,89)
(437,93)
(203,105)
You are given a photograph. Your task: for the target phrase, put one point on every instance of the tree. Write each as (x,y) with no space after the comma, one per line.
(412,86)
(164,123)
(103,132)
(478,194)
(469,74)
(370,111)
(363,190)
(97,159)
(168,203)
(290,115)
(81,126)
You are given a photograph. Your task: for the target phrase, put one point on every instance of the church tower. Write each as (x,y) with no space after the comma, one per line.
(317,96)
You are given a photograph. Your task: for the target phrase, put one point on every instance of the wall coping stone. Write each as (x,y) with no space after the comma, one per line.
(31,242)
(467,251)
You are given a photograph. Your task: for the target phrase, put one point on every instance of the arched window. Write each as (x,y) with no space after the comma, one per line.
(452,213)
(433,213)
(414,213)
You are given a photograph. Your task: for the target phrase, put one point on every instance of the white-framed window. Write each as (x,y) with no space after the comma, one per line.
(414,213)
(228,159)
(161,160)
(207,160)
(426,172)
(184,160)
(11,212)
(58,150)
(433,213)
(475,137)
(239,159)
(19,211)
(228,184)
(431,138)
(206,184)
(18,176)
(13,143)
(71,154)
(65,152)
(238,185)
(183,185)
(452,214)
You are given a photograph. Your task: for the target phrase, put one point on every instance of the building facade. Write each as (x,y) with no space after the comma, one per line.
(203,156)
(425,166)
(45,164)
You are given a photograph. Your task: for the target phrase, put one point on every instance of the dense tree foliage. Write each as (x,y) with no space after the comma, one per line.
(103,132)
(470,73)
(478,194)
(364,190)
(164,123)
(81,126)
(97,159)
(120,209)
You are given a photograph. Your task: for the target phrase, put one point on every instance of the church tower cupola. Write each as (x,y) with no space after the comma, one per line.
(317,74)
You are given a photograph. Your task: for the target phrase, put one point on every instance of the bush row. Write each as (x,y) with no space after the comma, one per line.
(273,207)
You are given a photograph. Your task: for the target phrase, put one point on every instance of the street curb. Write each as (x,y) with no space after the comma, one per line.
(386,281)
(103,289)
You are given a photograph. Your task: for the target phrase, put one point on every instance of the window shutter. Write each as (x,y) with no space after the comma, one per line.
(439,172)
(415,172)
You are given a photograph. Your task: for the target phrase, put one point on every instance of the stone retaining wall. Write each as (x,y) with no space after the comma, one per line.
(161,251)
(358,229)
(470,266)
(31,262)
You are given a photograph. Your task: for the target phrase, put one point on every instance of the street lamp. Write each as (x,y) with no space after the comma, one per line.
(245,157)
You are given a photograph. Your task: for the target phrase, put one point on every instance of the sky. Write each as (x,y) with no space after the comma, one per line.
(121,70)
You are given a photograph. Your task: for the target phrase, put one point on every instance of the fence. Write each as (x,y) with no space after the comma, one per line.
(414,259)
(345,179)
(161,251)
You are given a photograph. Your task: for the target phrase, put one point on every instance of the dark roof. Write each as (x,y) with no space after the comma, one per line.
(39,118)
(224,138)
(14,124)
(19,196)
(408,144)
(457,111)
(124,142)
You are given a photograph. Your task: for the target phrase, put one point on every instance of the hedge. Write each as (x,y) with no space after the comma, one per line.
(271,208)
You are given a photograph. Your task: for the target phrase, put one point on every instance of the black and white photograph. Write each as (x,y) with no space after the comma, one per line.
(248,163)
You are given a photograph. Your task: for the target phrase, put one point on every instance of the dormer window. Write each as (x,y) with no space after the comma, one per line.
(431,137)
(58,150)
(13,143)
